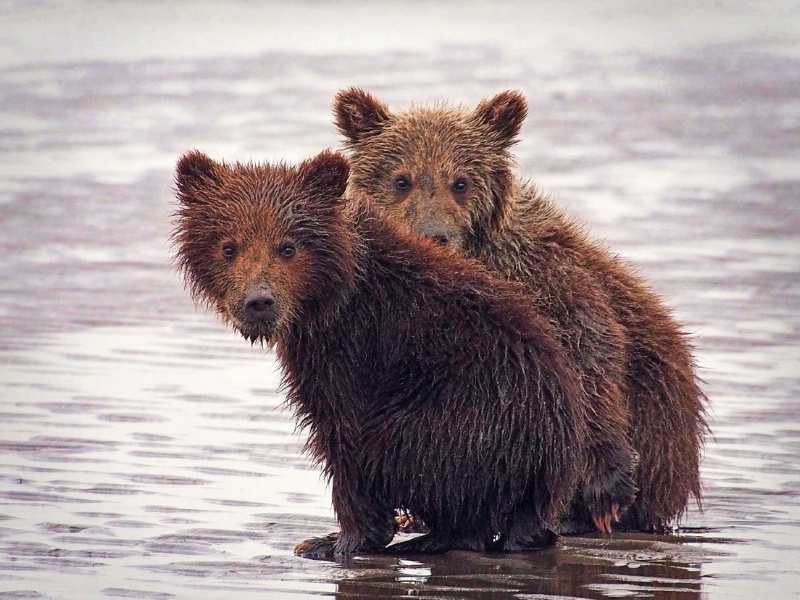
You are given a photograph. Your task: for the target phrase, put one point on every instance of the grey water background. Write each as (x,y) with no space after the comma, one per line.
(145,451)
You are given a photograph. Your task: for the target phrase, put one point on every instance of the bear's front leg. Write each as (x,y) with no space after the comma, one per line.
(367,524)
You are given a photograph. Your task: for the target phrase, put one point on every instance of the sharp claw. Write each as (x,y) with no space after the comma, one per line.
(603,523)
(615,512)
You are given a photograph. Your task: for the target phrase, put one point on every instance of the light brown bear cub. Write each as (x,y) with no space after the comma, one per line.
(447,174)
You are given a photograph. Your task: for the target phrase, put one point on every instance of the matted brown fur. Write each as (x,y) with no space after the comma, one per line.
(447,173)
(426,383)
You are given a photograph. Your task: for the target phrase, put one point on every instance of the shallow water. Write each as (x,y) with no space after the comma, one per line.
(145,451)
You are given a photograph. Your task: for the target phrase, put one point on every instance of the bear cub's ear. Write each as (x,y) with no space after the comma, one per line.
(326,174)
(194,170)
(504,115)
(358,114)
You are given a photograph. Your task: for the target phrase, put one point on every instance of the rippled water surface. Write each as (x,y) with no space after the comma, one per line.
(145,451)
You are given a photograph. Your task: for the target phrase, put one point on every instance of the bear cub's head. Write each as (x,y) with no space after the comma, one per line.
(264,245)
(444,172)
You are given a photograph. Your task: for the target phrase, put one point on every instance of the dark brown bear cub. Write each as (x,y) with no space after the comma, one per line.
(446,173)
(371,325)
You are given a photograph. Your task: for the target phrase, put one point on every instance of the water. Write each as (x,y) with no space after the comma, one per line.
(145,451)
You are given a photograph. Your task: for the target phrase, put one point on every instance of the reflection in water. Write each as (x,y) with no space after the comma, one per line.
(578,568)
(146,453)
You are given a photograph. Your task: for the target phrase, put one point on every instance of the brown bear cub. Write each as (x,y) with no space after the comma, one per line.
(447,174)
(371,325)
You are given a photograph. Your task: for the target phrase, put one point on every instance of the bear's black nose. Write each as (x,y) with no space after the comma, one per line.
(258,303)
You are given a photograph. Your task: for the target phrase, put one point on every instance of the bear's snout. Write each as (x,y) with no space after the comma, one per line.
(437,233)
(259,304)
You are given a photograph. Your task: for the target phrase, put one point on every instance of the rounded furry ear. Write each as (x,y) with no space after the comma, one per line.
(326,173)
(194,170)
(504,115)
(358,114)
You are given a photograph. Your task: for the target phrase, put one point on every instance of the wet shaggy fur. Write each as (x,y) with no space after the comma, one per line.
(425,383)
(447,174)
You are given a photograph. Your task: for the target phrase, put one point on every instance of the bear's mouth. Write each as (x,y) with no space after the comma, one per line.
(260,334)
(261,331)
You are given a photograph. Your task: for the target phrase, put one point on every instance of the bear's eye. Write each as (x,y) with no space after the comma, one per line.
(287,250)
(460,185)
(402,183)
(229,250)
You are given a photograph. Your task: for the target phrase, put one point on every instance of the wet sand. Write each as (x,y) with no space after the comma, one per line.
(145,451)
